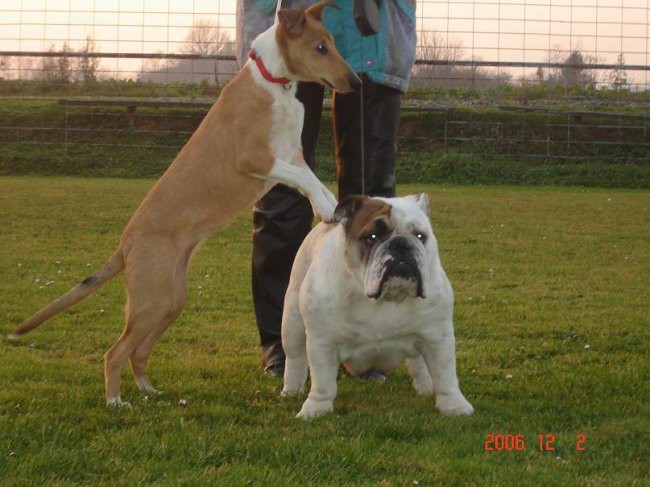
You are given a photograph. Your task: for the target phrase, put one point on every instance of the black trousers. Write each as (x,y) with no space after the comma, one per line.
(283,217)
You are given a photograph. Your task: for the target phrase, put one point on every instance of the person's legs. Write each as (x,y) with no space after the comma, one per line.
(281,221)
(381,121)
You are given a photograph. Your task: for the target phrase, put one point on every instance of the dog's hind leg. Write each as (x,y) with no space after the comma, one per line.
(150,291)
(422,380)
(140,355)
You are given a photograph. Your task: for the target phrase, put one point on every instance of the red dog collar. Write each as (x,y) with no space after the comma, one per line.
(265,72)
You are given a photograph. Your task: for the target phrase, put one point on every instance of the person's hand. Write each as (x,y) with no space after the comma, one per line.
(366,16)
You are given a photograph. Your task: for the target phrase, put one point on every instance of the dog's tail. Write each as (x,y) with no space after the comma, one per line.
(113,267)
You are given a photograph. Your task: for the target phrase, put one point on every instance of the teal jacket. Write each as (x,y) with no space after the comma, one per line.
(387,57)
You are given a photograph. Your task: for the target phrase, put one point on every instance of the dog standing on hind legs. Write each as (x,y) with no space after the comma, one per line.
(248,141)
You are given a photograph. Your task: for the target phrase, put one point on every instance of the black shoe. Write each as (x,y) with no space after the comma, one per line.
(372,374)
(273,361)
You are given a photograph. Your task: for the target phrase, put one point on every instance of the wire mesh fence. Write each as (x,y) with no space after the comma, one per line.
(540,81)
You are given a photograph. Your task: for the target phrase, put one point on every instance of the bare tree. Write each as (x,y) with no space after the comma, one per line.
(48,67)
(206,38)
(433,47)
(5,67)
(593,76)
(87,66)
(618,77)
(56,69)
(63,68)
(555,57)
(151,65)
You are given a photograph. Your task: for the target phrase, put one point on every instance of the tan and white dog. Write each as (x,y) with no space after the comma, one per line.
(248,141)
(369,292)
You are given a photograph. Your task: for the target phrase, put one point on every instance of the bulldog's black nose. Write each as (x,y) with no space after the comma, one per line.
(398,244)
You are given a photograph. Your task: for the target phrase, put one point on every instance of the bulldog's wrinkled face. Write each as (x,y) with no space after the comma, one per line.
(390,244)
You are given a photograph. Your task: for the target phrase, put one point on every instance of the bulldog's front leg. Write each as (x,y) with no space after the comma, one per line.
(294,340)
(440,357)
(323,368)
(422,381)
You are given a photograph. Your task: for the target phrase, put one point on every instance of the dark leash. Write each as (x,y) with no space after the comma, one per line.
(368,20)
(363,140)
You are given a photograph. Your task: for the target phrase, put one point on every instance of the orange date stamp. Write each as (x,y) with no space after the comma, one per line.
(517,442)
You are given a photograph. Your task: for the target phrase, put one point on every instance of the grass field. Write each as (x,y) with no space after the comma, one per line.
(552,325)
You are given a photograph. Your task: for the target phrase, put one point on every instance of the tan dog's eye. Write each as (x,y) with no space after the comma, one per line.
(321,48)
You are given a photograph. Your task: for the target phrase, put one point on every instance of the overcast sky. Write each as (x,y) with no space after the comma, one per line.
(505,30)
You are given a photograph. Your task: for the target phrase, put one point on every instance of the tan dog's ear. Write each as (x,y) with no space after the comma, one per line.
(293,20)
(316,10)
(347,207)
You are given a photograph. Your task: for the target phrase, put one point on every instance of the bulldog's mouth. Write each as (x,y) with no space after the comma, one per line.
(401,277)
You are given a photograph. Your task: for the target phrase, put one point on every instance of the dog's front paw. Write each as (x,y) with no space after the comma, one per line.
(329,196)
(290,391)
(145,386)
(324,205)
(454,405)
(117,402)
(312,409)
(324,211)
(423,387)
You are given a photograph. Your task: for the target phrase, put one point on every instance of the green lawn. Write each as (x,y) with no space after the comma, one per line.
(552,325)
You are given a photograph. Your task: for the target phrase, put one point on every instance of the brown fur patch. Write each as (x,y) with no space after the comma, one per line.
(371,216)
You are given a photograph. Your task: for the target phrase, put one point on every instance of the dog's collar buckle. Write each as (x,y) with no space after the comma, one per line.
(285,82)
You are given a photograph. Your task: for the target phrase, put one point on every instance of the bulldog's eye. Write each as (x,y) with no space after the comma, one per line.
(321,48)
(421,236)
(372,238)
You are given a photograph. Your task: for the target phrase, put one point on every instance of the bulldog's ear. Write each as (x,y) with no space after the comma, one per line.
(422,200)
(292,20)
(316,10)
(347,207)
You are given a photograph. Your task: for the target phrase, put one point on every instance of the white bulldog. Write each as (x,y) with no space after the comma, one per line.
(368,291)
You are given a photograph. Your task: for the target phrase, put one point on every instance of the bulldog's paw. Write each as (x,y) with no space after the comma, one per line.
(117,402)
(423,388)
(312,409)
(288,392)
(453,405)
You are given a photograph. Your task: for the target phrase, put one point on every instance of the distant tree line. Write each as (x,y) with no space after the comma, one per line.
(574,69)
(433,47)
(205,38)
(61,68)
